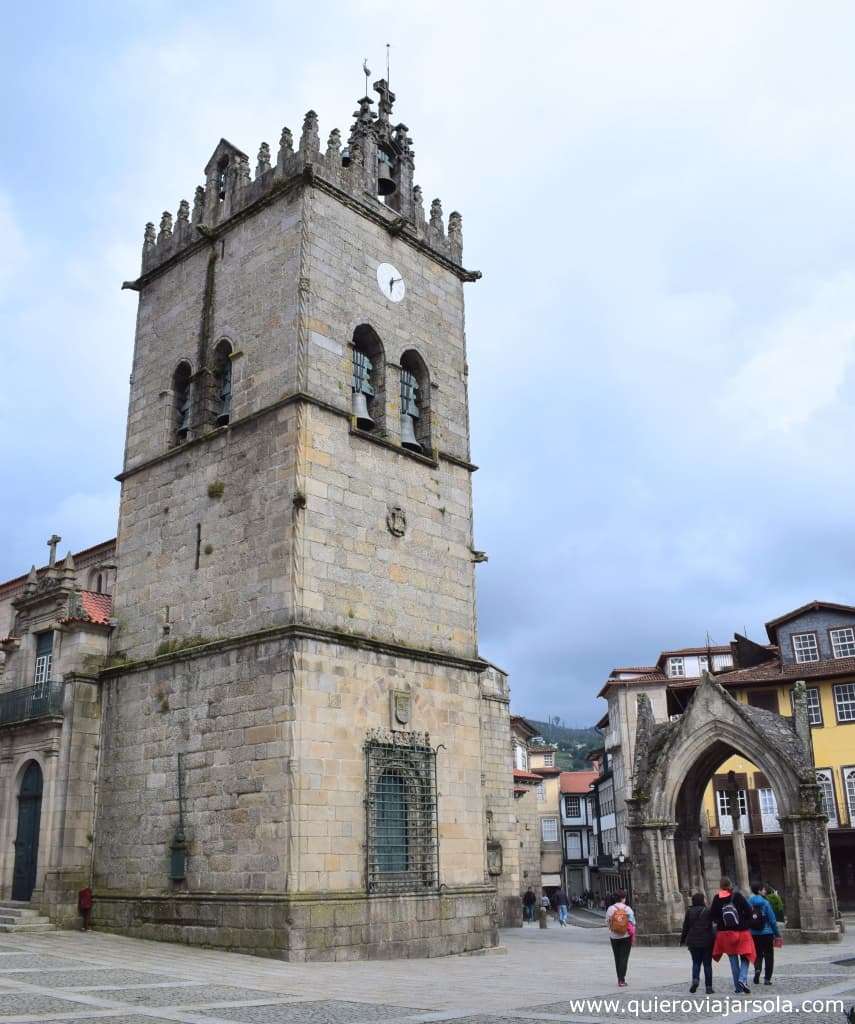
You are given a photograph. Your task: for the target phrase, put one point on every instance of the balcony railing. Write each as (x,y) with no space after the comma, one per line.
(43,700)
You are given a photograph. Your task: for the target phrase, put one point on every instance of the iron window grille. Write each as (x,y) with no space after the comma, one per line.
(362,369)
(843,642)
(401,827)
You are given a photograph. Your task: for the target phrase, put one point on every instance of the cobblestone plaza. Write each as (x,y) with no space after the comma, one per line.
(535,976)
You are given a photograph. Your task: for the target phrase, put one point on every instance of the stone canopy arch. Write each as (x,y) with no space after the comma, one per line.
(675,760)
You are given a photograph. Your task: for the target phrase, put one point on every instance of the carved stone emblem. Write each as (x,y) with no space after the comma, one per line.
(396,520)
(402,708)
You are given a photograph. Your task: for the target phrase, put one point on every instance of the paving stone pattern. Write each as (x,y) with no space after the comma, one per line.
(91,977)
(322,1011)
(22,1004)
(186,995)
(114,980)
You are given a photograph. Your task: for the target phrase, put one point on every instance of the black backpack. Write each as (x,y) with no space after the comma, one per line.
(730,918)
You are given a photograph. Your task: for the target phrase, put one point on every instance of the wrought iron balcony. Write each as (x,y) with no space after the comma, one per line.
(44,700)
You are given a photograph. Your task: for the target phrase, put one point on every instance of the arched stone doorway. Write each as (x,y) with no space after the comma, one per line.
(27,834)
(675,760)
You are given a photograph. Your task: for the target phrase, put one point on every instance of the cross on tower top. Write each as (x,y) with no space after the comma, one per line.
(53,540)
(387,98)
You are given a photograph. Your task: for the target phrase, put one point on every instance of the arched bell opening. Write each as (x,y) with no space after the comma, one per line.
(24,871)
(222,382)
(182,387)
(368,380)
(415,403)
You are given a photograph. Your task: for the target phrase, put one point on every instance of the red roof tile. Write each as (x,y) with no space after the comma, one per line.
(577,782)
(530,776)
(97,608)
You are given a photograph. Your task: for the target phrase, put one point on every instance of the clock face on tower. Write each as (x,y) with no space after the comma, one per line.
(391,282)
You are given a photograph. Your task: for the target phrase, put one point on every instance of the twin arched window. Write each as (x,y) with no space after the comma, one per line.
(368,391)
(216,398)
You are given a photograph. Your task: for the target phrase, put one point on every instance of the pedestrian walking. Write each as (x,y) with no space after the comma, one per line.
(732,915)
(529,899)
(620,921)
(765,933)
(698,937)
(562,907)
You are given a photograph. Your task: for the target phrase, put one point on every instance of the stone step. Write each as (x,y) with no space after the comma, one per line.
(40,925)
(18,915)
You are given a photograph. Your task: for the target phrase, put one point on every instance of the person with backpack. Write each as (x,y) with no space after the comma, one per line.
(620,921)
(765,935)
(698,937)
(733,917)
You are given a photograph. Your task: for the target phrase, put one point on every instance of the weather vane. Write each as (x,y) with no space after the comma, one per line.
(366,70)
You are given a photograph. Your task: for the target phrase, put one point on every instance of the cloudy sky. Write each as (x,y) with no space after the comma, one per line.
(661,197)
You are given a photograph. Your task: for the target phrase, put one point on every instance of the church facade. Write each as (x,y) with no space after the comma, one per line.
(296,748)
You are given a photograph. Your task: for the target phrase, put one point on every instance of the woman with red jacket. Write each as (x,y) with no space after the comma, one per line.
(732,915)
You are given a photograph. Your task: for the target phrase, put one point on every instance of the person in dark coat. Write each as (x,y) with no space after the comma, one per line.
(698,937)
(529,900)
(731,915)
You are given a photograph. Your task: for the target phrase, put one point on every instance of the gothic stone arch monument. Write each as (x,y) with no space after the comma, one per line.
(674,762)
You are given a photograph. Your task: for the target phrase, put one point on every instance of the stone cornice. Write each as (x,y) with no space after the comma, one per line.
(296,396)
(346,896)
(298,631)
(311,176)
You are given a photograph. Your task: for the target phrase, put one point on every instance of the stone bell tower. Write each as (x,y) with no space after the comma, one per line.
(304,753)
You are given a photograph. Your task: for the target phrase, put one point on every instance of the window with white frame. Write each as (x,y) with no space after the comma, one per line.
(541,792)
(849,787)
(572,805)
(844,702)
(549,760)
(843,642)
(805,647)
(607,799)
(549,830)
(574,846)
(676,667)
(520,757)
(814,705)
(825,781)
(44,657)
(703,663)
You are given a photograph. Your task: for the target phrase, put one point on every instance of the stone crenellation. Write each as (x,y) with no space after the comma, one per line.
(375,149)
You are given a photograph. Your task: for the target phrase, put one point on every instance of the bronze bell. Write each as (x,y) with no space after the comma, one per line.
(385,182)
(408,434)
(359,408)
